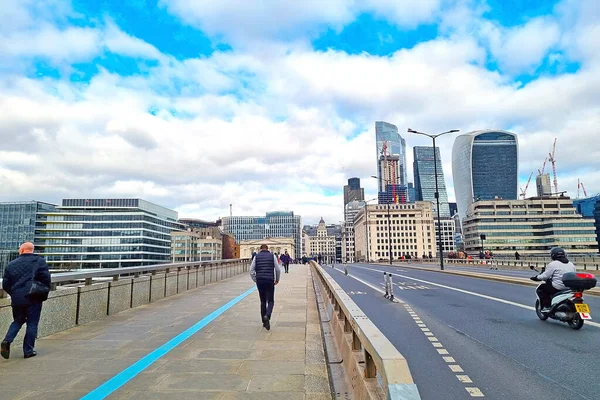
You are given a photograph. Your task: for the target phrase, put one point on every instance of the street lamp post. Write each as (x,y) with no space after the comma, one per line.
(389,223)
(437,194)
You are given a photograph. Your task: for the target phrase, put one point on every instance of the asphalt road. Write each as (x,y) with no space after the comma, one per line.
(495,346)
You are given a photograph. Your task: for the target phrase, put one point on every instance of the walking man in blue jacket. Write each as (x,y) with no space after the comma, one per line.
(17,280)
(265,271)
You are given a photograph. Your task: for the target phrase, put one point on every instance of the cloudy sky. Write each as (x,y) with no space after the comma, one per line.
(271,105)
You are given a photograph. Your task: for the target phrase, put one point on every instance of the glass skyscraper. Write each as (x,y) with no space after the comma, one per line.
(485,167)
(272,225)
(395,146)
(106,233)
(424,168)
(353,191)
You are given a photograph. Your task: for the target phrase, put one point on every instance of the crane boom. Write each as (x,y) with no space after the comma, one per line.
(553,161)
(524,191)
(584,191)
(541,171)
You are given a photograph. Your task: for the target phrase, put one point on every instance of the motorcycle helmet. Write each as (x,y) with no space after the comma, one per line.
(557,253)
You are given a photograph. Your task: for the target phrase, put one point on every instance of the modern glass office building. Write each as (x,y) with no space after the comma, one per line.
(395,146)
(531,227)
(353,191)
(18,221)
(597,222)
(272,225)
(424,168)
(106,233)
(485,167)
(17,225)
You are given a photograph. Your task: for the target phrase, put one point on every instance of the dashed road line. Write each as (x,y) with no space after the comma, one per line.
(448,359)
(473,391)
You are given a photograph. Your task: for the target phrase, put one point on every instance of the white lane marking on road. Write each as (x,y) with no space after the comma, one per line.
(512,303)
(373,287)
(474,392)
(450,361)
(455,368)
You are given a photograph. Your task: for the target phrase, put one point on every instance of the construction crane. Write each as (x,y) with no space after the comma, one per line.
(553,161)
(541,171)
(580,185)
(524,191)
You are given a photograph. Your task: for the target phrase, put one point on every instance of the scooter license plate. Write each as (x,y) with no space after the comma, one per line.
(582,308)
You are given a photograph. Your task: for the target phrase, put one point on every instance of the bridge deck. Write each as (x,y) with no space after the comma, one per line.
(231,357)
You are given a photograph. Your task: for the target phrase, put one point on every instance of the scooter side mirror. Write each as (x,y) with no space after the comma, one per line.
(531,267)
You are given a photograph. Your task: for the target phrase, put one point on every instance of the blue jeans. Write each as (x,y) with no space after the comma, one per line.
(29,314)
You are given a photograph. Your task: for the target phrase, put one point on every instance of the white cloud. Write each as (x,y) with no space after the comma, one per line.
(245,22)
(522,48)
(275,129)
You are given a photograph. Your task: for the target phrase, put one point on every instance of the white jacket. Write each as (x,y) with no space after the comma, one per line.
(555,271)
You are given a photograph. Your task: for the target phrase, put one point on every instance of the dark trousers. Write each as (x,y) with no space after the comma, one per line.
(22,314)
(266,291)
(286,266)
(545,293)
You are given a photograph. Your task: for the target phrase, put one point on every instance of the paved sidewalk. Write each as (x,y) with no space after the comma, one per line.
(233,357)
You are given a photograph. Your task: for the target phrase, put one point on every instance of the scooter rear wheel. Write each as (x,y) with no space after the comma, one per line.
(576,323)
(538,311)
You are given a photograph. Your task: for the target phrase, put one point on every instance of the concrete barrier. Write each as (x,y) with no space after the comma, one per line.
(119,295)
(82,300)
(140,291)
(366,352)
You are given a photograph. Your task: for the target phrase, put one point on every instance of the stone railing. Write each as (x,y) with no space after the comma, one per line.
(77,298)
(366,352)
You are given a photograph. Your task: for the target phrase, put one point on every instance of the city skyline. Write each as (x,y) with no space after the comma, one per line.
(199,105)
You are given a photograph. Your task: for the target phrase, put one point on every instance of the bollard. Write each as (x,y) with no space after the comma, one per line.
(385,281)
(391,288)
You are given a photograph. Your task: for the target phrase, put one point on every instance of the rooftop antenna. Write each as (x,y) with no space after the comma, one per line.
(231,210)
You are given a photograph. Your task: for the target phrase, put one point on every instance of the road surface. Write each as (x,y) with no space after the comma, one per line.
(467,337)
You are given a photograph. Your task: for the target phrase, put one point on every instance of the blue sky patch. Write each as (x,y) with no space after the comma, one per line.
(373,36)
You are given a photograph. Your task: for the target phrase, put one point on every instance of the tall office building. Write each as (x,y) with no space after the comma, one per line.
(350,211)
(353,191)
(106,233)
(424,168)
(17,225)
(411,193)
(387,137)
(485,167)
(543,185)
(597,222)
(277,224)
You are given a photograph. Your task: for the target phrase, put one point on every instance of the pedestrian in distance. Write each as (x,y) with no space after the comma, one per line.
(265,271)
(286,259)
(27,281)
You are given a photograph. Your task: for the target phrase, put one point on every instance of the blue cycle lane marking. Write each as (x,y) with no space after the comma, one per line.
(110,386)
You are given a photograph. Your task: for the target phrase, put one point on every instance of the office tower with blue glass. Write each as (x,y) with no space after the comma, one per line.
(424,168)
(391,164)
(485,167)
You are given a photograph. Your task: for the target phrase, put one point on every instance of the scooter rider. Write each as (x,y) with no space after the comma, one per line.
(554,272)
